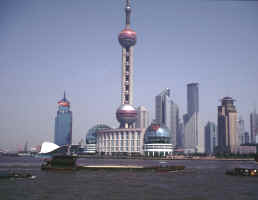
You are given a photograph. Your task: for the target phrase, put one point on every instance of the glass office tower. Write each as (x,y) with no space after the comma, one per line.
(63,123)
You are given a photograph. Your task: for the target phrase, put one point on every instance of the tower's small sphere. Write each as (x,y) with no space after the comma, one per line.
(126,113)
(127,9)
(127,38)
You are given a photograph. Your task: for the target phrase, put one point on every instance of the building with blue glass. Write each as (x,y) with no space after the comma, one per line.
(210,136)
(63,123)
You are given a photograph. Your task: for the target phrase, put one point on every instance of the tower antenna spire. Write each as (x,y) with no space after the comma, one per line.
(64,96)
(128,12)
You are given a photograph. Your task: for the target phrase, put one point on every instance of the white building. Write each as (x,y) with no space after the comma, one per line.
(120,141)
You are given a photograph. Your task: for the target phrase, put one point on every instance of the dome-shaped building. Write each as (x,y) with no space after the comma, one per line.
(91,137)
(157,141)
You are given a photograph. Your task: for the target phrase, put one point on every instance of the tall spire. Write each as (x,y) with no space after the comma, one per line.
(64,96)
(127,13)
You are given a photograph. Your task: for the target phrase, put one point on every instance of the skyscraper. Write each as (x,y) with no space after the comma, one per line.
(192,98)
(174,122)
(210,137)
(142,117)
(162,108)
(63,123)
(254,127)
(241,131)
(191,119)
(167,113)
(227,126)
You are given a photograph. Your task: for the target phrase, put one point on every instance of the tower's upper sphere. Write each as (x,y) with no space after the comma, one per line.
(126,113)
(127,38)
(127,9)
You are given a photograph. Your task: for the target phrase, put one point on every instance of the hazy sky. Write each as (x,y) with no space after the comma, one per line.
(48,46)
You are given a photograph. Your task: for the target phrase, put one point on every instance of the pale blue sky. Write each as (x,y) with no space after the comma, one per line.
(48,46)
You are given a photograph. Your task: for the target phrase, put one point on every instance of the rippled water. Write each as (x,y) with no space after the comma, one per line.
(202,180)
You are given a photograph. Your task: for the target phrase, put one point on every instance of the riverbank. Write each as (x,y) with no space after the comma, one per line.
(166,158)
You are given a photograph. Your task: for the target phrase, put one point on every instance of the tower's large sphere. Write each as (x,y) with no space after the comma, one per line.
(126,113)
(127,38)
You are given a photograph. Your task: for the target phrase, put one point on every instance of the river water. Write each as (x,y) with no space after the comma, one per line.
(201,180)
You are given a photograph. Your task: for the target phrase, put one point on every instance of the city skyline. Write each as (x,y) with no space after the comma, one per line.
(50,47)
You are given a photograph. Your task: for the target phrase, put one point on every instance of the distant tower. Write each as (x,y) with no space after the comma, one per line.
(254,127)
(126,114)
(191,119)
(162,108)
(241,131)
(210,137)
(63,123)
(142,117)
(227,126)
(174,123)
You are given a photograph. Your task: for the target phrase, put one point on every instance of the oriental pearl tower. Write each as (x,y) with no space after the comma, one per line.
(126,114)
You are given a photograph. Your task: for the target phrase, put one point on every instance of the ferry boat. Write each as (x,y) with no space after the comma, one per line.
(242,172)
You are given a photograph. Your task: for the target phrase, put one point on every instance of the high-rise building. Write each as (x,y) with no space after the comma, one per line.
(142,120)
(127,139)
(162,108)
(191,119)
(241,131)
(227,126)
(254,127)
(247,138)
(174,122)
(180,135)
(192,98)
(63,123)
(210,137)
(167,113)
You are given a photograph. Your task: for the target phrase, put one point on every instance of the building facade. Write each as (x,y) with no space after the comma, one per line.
(142,120)
(127,141)
(227,126)
(63,123)
(210,137)
(191,119)
(254,127)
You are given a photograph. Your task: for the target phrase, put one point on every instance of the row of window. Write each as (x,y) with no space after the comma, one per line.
(119,142)
(120,149)
(122,135)
(157,147)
